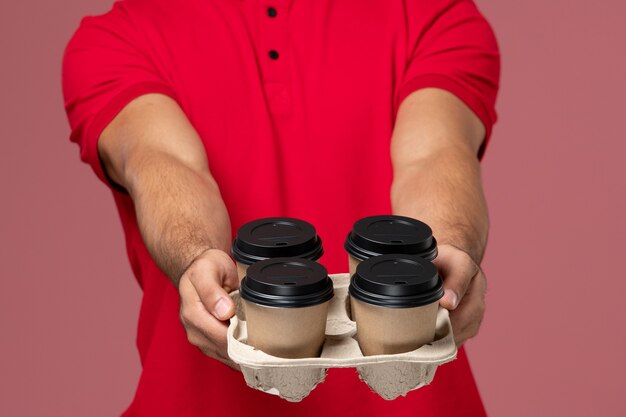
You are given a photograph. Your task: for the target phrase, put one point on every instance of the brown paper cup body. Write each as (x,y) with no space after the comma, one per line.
(352,264)
(383,330)
(287,332)
(241,270)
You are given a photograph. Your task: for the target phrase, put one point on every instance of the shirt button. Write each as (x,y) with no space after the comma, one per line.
(273,54)
(271,12)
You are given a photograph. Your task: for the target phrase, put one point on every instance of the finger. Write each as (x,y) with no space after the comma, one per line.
(209,275)
(204,330)
(194,314)
(467,318)
(457,269)
(197,339)
(206,345)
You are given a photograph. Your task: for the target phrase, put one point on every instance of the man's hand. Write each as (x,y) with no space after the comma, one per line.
(465,285)
(205,305)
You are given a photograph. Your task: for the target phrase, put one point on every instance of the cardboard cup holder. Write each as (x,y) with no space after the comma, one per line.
(390,376)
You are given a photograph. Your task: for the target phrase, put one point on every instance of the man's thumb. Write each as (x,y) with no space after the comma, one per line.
(224,308)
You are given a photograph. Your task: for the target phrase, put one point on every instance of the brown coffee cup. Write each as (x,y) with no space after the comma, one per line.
(379,235)
(275,237)
(394,301)
(286,306)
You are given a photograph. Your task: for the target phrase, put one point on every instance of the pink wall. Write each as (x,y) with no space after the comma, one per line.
(552,342)
(554,339)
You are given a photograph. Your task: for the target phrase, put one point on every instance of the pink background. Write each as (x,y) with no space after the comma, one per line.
(553,341)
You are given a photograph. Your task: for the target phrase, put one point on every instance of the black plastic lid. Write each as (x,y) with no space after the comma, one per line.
(397,281)
(379,235)
(286,282)
(276,237)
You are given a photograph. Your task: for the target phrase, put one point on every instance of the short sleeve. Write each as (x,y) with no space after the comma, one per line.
(453,48)
(105,66)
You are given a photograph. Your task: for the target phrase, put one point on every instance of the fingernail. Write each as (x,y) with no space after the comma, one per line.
(221,308)
(454,299)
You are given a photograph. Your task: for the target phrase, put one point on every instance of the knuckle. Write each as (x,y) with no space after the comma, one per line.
(473,331)
(182,318)
(483,282)
(185,316)
(480,309)
(191,338)
(198,340)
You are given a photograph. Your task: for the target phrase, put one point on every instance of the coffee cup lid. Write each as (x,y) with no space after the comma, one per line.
(286,282)
(379,235)
(276,237)
(397,281)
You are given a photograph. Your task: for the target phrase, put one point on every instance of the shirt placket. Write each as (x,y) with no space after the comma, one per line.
(274,54)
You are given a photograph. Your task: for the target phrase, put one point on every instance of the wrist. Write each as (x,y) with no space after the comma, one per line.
(474,250)
(217,257)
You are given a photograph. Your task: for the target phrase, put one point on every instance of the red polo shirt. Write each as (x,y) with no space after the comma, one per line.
(295,102)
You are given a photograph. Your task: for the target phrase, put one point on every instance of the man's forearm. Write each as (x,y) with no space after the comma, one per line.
(444,190)
(152,150)
(434,146)
(179,211)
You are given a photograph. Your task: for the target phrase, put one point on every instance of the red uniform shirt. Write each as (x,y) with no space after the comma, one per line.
(296,112)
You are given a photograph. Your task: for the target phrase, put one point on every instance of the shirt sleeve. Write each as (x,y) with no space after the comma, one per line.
(453,48)
(105,67)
